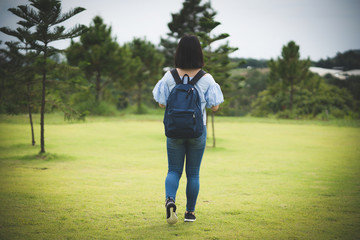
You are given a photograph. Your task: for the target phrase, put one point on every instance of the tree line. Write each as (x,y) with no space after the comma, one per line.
(97,75)
(269,92)
(348,60)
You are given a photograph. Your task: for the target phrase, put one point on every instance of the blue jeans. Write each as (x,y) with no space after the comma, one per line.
(177,149)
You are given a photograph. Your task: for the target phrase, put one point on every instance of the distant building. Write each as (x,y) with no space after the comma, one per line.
(338,73)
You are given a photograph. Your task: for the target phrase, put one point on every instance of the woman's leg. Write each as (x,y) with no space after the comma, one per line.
(194,153)
(176,154)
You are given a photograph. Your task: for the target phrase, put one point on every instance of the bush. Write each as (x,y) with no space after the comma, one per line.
(338,113)
(103,109)
(84,102)
(327,101)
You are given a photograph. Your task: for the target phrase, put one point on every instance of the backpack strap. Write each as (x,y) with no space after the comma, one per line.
(176,76)
(197,77)
(193,81)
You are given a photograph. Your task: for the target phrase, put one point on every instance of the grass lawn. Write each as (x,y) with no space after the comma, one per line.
(104,179)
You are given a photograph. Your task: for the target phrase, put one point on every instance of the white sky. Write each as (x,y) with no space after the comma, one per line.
(259,28)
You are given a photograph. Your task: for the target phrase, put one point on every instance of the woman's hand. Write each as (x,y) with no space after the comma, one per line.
(162,106)
(215,108)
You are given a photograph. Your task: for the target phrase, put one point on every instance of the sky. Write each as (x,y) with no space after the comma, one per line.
(259,28)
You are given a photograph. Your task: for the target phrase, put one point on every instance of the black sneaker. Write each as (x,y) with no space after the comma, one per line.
(171,216)
(189,217)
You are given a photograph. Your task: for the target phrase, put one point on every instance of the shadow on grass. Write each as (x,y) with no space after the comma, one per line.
(45,157)
(27,152)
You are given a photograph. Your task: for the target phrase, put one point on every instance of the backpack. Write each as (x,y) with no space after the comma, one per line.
(183,117)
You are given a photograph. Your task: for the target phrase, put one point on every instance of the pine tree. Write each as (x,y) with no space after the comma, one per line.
(104,62)
(187,21)
(289,71)
(96,55)
(216,60)
(22,64)
(19,73)
(150,61)
(44,16)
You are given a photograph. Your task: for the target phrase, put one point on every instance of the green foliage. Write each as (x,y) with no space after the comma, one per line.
(99,56)
(104,109)
(112,71)
(64,82)
(102,77)
(323,102)
(18,81)
(347,61)
(352,84)
(294,92)
(19,89)
(39,28)
(217,61)
(85,103)
(249,62)
(18,68)
(199,20)
(289,71)
(43,15)
(149,67)
(244,91)
(187,21)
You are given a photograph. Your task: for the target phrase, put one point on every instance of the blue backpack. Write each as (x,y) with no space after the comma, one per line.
(183,117)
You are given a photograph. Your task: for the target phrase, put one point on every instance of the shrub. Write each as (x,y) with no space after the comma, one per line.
(326,100)
(84,102)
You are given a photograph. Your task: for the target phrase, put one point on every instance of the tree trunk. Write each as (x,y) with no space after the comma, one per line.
(212,112)
(207,129)
(30,115)
(213,127)
(139,98)
(291,92)
(98,87)
(29,104)
(42,138)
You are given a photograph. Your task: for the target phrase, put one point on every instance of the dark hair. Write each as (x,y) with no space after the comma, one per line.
(189,53)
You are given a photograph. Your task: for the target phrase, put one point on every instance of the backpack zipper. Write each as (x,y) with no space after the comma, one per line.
(189,92)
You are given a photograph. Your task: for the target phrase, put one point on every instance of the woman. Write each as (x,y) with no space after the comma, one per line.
(188,60)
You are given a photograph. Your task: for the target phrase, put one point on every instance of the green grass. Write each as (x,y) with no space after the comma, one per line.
(104,179)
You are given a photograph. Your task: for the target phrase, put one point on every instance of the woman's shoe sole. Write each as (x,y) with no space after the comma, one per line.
(189,220)
(173,217)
